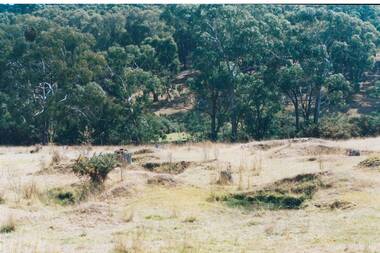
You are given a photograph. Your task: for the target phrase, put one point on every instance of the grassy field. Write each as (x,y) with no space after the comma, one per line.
(301,195)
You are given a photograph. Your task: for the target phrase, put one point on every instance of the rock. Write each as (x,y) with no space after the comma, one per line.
(353,152)
(36,149)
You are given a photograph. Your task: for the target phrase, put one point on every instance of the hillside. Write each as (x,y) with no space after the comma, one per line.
(121,74)
(155,210)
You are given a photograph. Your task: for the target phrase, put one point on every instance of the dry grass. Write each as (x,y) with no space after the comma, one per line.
(188,216)
(30,191)
(128,215)
(56,157)
(120,246)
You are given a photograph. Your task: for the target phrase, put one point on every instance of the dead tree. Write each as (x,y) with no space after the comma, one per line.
(42,94)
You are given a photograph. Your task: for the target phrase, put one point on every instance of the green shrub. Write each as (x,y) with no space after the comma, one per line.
(366,125)
(288,193)
(70,195)
(95,168)
(9,226)
(374,91)
(336,126)
(62,196)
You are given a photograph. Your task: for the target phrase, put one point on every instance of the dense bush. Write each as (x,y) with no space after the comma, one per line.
(95,168)
(336,126)
(374,91)
(341,126)
(366,125)
(99,79)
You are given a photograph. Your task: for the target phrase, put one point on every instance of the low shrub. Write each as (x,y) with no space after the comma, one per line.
(70,195)
(167,167)
(9,226)
(371,162)
(336,126)
(62,196)
(30,191)
(366,125)
(95,168)
(56,157)
(289,193)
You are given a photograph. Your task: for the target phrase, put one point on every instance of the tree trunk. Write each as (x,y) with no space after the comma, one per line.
(317,106)
(297,114)
(234,124)
(45,134)
(213,132)
(234,119)
(155,97)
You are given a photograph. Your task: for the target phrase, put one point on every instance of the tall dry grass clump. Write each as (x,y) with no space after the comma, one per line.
(321,165)
(135,245)
(224,176)
(56,157)
(30,191)
(216,154)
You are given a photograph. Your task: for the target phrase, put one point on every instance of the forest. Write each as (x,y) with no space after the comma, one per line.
(94,74)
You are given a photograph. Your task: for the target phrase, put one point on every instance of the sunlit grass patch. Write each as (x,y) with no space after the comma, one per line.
(177,137)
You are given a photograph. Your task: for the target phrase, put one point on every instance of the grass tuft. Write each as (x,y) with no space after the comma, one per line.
(9,226)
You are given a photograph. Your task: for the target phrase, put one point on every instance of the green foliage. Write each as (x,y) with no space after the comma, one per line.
(62,197)
(8,227)
(367,125)
(289,193)
(341,126)
(91,73)
(95,168)
(374,91)
(336,126)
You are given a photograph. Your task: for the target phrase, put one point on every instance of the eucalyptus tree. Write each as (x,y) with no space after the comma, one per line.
(321,44)
(230,36)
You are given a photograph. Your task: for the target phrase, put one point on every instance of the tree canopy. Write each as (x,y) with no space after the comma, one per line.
(73,74)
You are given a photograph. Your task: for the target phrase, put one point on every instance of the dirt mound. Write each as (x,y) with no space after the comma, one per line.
(307,150)
(89,214)
(145,158)
(336,205)
(116,192)
(263,146)
(36,149)
(288,193)
(371,162)
(60,168)
(167,167)
(143,151)
(162,180)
